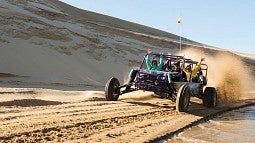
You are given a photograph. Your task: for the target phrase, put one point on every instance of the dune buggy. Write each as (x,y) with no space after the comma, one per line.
(166,83)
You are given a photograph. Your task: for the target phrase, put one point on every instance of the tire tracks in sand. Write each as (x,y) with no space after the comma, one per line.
(127,120)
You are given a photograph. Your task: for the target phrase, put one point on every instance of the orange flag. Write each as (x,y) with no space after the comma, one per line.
(179,20)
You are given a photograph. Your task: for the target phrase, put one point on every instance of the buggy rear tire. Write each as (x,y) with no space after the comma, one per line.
(183,98)
(210,97)
(112,90)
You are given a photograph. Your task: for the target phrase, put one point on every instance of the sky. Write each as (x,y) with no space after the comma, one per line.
(227,24)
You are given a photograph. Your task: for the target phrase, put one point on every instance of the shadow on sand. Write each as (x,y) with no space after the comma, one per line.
(29,103)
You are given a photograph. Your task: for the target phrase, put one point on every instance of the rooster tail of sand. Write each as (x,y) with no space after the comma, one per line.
(231,77)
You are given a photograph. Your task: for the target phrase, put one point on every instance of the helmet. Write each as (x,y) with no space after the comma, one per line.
(154,62)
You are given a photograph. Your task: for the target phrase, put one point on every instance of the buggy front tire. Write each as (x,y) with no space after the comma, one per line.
(210,97)
(112,90)
(183,98)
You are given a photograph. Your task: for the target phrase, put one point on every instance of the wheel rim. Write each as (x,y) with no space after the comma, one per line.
(183,97)
(115,90)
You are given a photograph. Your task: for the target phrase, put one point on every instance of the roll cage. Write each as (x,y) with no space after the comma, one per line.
(165,84)
(169,60)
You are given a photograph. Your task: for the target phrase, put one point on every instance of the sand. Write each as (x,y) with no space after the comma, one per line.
(55,60)
(41,115)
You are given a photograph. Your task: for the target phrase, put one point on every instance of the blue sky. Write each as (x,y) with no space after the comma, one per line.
(228,24)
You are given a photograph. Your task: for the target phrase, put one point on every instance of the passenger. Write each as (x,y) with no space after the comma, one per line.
(191,74)
(154,65)
(151,66)
(178,72)
(176,67)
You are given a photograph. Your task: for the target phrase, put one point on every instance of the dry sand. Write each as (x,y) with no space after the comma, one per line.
(42,115)
(53,55)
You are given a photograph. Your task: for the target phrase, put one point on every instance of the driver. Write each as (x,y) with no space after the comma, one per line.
(154,65)
(177,69)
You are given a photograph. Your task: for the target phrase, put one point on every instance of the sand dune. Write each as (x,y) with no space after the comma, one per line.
(48,42)
(55,60)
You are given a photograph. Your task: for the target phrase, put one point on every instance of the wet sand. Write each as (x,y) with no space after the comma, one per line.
(234,126)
